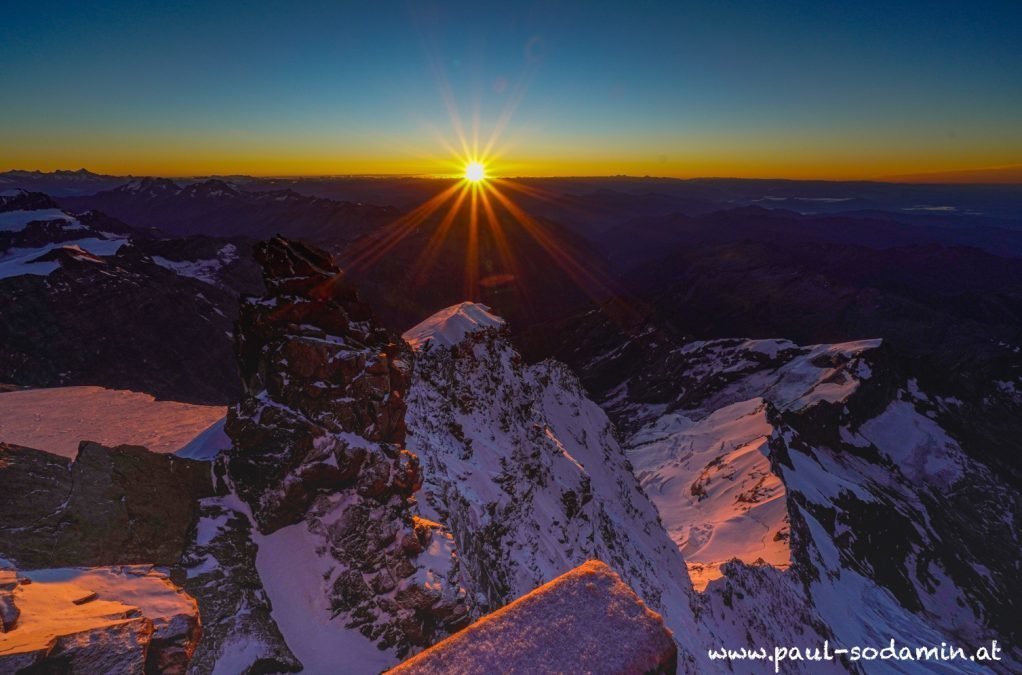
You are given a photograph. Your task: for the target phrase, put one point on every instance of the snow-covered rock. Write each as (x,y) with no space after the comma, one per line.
(449,326)
(527,473)
(846,479)
(584,621)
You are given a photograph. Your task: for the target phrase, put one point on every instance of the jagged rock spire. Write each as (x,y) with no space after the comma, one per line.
(317,439)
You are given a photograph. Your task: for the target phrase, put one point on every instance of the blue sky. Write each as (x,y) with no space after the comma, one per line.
(780,88)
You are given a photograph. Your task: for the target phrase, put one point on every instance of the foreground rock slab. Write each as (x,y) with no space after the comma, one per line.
(587,620)
(126,619)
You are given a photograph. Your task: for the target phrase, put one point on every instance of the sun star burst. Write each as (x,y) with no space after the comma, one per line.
(475,172)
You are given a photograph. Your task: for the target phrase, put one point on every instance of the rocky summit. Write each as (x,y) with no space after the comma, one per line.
(317,450)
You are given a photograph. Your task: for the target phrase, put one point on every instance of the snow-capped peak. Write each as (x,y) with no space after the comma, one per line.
(449,326)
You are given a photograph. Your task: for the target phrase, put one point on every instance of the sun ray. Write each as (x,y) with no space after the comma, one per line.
(504,250)
(374,247)
(472,247)
(428,256)
(506,114)
(586,279)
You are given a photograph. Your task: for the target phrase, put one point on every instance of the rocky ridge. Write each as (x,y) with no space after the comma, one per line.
(528,474)
(317,446)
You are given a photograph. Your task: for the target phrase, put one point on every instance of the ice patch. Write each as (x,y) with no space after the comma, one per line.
(16,221)
(19,261)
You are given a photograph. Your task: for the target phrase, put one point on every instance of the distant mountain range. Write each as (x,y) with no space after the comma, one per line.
(86,299)
(60,183)
(217,208)
(1003,174)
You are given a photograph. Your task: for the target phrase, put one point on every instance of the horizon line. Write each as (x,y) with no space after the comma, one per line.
(935,178)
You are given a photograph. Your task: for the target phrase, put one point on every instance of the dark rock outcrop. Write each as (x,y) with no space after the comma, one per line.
(317,370)
(109,506)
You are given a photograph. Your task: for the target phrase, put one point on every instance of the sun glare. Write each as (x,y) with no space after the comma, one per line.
(475,172)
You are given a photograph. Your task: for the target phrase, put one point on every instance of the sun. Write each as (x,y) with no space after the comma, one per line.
(475,172)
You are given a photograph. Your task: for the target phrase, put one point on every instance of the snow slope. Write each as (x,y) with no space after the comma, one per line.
(205,269)
(56,419)
(16,221)
(296,572)
(711,481)
(207,444)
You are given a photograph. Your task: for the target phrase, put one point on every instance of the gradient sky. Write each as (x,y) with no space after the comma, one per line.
(783,89)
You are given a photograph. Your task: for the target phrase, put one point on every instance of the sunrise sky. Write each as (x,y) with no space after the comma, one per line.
(756,89)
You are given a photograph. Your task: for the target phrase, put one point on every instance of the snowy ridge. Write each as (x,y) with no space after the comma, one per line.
(449,326)
(527,474)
